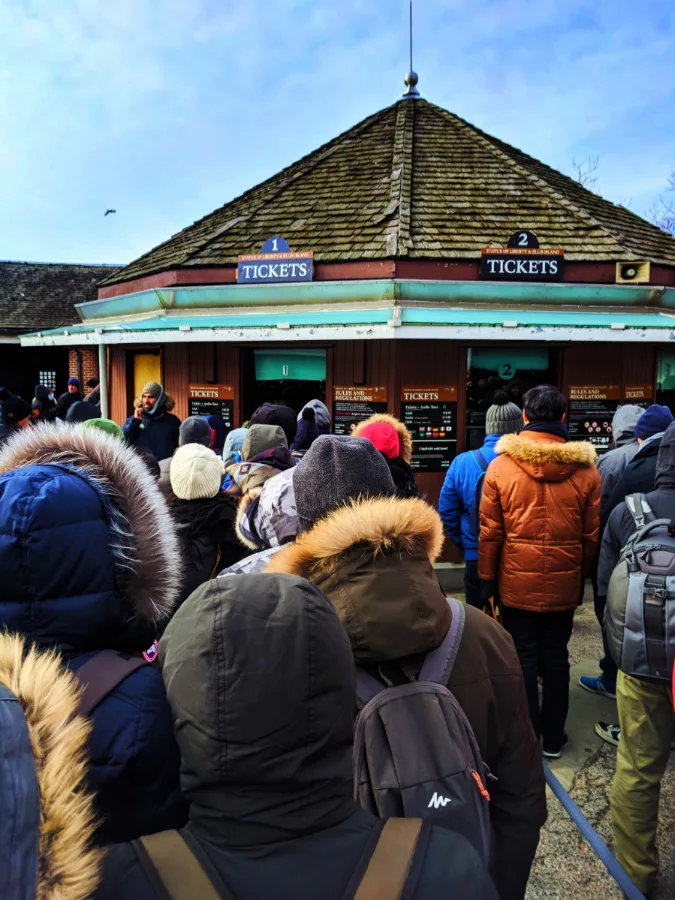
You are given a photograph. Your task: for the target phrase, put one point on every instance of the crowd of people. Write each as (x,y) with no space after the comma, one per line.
(230,608)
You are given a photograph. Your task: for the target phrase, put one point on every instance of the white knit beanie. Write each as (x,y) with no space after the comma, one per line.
(196,472)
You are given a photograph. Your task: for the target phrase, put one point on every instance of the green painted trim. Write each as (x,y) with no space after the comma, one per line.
(580,319)
(230,296)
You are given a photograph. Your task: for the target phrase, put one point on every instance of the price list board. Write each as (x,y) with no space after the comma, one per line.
(212,400)
(430,415)
(591,410)
(638,394)
(355,404)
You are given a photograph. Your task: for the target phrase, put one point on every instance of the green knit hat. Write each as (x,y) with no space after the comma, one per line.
(104,425)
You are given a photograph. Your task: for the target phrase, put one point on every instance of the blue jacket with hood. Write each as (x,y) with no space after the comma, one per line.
(456,500)
(88,562)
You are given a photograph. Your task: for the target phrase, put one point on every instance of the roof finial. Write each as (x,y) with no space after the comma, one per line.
(411,78)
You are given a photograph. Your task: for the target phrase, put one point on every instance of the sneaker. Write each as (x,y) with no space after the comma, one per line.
(555,753)
(596,685)
(609,733)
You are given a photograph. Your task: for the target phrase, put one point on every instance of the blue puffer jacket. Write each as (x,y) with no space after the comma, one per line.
(87,563)
(457,493)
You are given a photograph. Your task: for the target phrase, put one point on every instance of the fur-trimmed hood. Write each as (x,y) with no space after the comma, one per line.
(404,436)
(47,478)
(546,457)
(166,401)
(374,560)
(67,866)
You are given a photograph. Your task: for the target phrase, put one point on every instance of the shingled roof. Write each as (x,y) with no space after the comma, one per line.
(412,181)
(37,296)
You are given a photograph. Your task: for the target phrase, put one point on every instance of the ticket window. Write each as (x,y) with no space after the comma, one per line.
(491,369)
(665,379)
(292,377)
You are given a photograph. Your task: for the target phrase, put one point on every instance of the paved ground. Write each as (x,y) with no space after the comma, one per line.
(565,867)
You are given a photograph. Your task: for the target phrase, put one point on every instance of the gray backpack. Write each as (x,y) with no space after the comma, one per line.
(640,611)
(415,753)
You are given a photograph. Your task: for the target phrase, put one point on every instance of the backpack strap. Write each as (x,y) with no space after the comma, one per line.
(390,865)
(102,673)
(438,664)
(367,686)
(480,459)
(180,872)
(639,509)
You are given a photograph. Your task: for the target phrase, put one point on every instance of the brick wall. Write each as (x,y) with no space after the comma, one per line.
(89,365)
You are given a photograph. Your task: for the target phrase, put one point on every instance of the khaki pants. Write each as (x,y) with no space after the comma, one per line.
(647,732)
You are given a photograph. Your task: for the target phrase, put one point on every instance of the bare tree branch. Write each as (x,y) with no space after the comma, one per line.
(585,171)
(662,213)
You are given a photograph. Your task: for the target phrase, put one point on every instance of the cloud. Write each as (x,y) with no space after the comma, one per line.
(165,109)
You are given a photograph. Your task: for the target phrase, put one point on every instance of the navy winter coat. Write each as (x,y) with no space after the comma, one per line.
(63,549)
(157,433)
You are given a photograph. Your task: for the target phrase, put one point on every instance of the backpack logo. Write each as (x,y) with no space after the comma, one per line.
(438,801)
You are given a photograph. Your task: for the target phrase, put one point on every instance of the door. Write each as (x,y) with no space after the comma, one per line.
(147,367)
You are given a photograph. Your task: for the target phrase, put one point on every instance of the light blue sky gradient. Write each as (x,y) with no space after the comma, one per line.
(165,109)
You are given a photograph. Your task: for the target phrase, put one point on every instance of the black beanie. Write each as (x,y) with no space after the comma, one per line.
(13,408)
(273,414)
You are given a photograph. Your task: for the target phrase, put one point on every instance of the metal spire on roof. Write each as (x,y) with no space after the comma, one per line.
(411,78)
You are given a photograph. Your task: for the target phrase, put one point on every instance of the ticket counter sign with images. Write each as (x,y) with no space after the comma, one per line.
(429,413)
(355,404)
(591,410)
(212,400)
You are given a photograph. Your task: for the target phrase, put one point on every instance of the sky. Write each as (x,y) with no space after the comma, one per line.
(165,109)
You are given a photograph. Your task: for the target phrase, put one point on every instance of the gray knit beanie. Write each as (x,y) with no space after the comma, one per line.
(336,469)
(194,430)
(503,417)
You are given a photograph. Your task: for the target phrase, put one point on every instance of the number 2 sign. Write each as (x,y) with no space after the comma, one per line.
(523,239)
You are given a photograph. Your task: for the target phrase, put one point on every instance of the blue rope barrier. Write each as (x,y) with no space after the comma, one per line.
(599,847)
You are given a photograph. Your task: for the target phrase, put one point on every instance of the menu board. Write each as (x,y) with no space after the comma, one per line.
(638,394)
(354,404)
(430,414)
(591,410)
(212,400)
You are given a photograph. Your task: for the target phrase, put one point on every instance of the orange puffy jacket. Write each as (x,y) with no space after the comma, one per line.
(539,520)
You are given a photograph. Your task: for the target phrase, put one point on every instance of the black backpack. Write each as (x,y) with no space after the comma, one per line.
(474,512)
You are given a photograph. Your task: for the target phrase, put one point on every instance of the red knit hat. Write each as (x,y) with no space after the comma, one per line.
(384,436)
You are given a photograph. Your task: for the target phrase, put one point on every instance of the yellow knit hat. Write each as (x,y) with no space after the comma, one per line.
(196,472)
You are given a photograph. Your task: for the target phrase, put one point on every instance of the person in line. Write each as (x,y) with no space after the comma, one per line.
(321,415)
(372,554)
(15,415)
(94,394)
(72,395)
(268,773)
(204,516)
(458,493)
(233,444)
(89,562)
(394,442)
(307,433)
(275,414)
(43,407)
(647,727)
(539,524)
(637,477)
(264,454)
(106,425)
(46,819)
(81,412)
(219,433)
(153,425)
(193,430)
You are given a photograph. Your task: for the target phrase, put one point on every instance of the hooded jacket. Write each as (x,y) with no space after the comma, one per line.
(64,403)
(539,520)
(156,431)
(612,464)
(88,562)
(267,760)
(374,561)
(638,476)
(400,465)
(206,531)
(621,524)
(321,414)
(457,496)
(44,409)
(46,819)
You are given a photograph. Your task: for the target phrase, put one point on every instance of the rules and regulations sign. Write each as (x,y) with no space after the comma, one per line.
(522,260)
(638,394)
(275,263)
(354,404)
(590,414)
(212,400)
(430,415)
